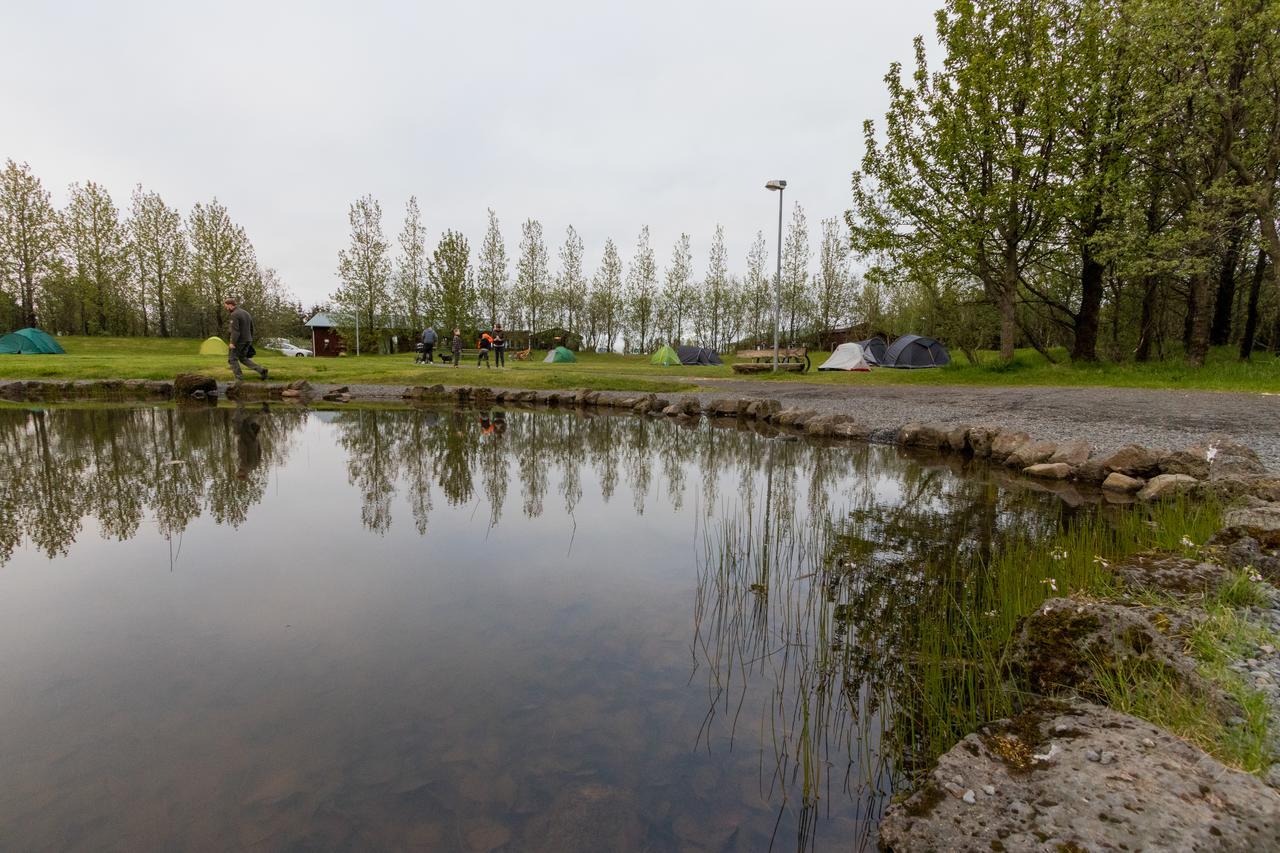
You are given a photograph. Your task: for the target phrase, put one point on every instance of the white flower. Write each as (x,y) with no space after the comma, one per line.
(1210,453)
(1187,543)
(1102,562)
(991,614)
(1058,554)
(1053,583)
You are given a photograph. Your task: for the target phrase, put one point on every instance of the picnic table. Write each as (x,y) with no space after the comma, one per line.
(794,359)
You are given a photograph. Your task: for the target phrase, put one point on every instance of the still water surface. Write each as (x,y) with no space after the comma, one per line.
(457,630)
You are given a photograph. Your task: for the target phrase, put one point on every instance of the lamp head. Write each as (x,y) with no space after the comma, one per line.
(776,185)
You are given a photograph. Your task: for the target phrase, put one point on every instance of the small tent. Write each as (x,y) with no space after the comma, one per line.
(559,354)
(666,357)
(698,355)
(911,351)
(213,346)
(846,357)
(873,350)
(30,342)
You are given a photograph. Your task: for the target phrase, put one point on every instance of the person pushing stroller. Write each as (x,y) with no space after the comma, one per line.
(429,339)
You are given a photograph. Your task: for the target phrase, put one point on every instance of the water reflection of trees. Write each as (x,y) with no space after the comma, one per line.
(116,465)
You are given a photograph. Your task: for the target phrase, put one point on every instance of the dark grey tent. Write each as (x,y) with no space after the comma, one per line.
(915,351)
(698,355)
(873,350)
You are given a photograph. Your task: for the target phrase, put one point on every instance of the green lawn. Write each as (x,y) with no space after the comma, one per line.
(155,358)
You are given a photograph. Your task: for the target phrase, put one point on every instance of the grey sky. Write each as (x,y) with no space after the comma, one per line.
(604,115)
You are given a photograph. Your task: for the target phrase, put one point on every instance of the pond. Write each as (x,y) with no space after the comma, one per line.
(474,630)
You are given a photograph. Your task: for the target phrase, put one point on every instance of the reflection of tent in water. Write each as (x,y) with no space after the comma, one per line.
(213,346)
(559,354)
(873,350)
(698,355)
(665,356)
(846,357)
(30,342)
(915,351)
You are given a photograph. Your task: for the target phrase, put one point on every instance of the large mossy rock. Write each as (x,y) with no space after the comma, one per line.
(186,384)
(1082,777)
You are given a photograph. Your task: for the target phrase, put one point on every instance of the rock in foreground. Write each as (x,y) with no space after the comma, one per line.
(1082,777)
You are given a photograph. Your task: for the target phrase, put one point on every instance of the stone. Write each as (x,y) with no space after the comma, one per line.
(1260,523)
(1049,470)
(302,386)
(793,417)
(1074,453)
(1171,796)
(1168,574)
(1228,459)
(586,819)
(957,439)
(184,384)
(723,407)
(850,429)
(763,409)
(1245,552)
(979,440)
(1133,460)
(1166,486)
(1006,442)
(932,436)
(1031,453)
(1117,482)
(1092,471)
(1191,461)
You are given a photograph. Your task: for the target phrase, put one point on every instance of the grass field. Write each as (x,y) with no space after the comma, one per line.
(156,358)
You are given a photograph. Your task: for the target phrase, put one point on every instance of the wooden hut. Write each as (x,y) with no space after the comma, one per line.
(325,340)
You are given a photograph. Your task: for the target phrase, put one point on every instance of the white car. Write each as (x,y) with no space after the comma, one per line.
(291,350)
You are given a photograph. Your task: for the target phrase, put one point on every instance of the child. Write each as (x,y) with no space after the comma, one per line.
(485,344)
(456,346)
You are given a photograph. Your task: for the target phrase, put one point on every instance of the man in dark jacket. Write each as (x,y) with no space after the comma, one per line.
(241,350)
(429,338)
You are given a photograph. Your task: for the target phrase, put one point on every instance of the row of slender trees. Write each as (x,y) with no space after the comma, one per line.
(632,303)
(87,270)
(1100,174)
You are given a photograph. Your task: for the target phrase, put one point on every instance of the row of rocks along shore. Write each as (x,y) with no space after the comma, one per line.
(1067,774)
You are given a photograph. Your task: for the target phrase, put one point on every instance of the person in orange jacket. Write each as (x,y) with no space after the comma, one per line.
(484,344)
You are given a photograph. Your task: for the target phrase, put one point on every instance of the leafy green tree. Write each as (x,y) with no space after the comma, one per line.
(642,285)
(159,250)
(571,290)
(365,266)
(28,237)
(95,241)
(831,286)
(795,273)
(411,268)
(756,291)
(607,298)
(532,292)
(491,275)
(677,296)
(452,283)
(222,263)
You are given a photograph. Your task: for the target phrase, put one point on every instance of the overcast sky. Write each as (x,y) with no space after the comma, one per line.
(603,115)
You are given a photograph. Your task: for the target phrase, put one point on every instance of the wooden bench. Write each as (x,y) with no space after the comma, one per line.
(794,359)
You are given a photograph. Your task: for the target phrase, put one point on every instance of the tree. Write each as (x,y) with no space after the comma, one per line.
(364,266)
(795,272)
(572,290)
(677,294)
(95,242)
(831,288)
(222,263)
(756,298)
(716,306)
(28,236)
(452,283)
(411,269)
(532,275)
(159,249)
(642,283)
(607,299)
(491,276)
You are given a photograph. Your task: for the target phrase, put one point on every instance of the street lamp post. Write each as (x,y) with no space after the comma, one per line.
(779,186)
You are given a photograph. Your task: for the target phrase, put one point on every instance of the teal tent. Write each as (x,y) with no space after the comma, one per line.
(30,342)
(559,354)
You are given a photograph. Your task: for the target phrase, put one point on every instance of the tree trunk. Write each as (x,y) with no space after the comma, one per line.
(1251,311)
(1007,302)
(1189,319)
(1086,319)
(1147,324)
(1200,319)
(1220,332)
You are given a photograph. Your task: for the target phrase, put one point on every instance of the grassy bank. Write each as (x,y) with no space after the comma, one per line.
(154,358)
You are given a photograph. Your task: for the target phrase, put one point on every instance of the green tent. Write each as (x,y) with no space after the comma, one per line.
(559,354)
(666,356)
(30,342)
(213,346)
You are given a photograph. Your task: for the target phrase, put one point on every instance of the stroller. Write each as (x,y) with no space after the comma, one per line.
(421,350)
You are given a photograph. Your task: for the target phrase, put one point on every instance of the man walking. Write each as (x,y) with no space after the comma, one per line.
(242,351)
(429,338)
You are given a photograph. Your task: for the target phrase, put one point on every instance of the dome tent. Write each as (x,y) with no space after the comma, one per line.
(847,357)
(30,342)
(873,350)
(698,355)
(911,351)
(666,357)
(559,354)
(213,346)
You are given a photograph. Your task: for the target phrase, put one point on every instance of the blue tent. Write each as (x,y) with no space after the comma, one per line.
(911,351)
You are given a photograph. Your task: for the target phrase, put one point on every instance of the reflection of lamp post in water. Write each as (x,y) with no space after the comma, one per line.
(778,186)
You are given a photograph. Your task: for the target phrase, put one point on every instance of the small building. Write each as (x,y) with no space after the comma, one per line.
(325,340)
